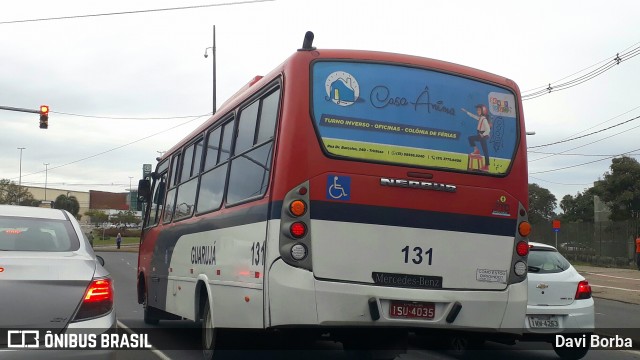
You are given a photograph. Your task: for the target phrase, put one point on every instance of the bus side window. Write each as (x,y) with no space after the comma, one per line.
(174,179)
(250,171)
(212,149)
(227,137)
(157,201)
(247,127)
(268,117)
(214,174)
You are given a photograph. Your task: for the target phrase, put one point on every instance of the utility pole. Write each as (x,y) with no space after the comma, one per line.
(46,175)
(213,54)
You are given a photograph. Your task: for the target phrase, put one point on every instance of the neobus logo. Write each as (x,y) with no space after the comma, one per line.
(425,185)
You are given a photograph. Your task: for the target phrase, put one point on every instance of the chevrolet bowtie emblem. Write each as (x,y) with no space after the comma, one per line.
(542,286)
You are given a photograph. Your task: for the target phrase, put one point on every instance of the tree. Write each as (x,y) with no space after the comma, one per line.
(10,193)
(69,203)
(97,216)
(578,208)
(620,188)
(541,204)
(126,217)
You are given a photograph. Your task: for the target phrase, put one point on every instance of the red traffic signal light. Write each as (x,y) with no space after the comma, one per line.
(44,116)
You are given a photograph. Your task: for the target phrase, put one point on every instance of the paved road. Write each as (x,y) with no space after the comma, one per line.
(613,283)
(613,315)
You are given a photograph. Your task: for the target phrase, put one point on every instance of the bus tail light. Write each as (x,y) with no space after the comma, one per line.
(583,291)
(297,208)
(522,248)
(298,230)
(524,228)
(295,227)
(97,300)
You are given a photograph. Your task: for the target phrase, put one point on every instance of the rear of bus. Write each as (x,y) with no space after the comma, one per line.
(390,217)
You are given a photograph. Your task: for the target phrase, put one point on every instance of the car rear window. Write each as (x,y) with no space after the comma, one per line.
(543,261)
(17,234)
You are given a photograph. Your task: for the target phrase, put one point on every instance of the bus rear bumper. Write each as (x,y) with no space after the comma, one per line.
(329,303)
(351,304)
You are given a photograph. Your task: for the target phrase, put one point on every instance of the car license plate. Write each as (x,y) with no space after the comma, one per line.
(544,322)
(412,310)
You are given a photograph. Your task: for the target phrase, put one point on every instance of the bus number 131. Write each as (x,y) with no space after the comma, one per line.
(418,255)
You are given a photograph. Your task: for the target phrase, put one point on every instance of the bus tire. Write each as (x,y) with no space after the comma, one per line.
(148,316)
(209,333)
(571,353)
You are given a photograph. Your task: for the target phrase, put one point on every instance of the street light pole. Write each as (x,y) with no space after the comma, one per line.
(46,175)
(213,55)
(20,179)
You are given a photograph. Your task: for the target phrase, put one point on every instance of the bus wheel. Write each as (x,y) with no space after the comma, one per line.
(209,333)
(149,318)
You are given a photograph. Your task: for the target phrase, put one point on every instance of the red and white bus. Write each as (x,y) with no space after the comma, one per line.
(345,189)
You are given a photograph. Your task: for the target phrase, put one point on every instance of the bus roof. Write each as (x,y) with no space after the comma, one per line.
(258,81)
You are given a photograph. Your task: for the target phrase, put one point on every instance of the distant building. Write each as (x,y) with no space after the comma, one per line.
(102,200)
(50,194)
(111,203)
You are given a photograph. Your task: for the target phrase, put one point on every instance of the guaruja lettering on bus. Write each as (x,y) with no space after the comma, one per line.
(417,184)
(205,255)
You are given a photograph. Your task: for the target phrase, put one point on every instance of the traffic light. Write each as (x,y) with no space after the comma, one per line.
(44,116)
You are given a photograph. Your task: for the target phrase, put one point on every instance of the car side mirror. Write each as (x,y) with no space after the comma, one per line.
(100,260)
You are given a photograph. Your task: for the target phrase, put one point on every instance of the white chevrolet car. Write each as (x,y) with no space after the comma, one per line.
(559,301)
(50,280)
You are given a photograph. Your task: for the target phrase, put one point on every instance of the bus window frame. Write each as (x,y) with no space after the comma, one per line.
(189,178)
(326,153)
(172,183)
(230,117)
(260,95)
(161,168)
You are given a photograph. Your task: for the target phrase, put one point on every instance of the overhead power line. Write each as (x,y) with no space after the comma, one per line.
(132,12)
(585,135)
(571,154)
(558,183)
(587,144)
(131,118)
(587,163)
(113,149)
(555,86)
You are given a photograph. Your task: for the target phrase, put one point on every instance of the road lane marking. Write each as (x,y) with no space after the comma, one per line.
(158,353)
(611,276)
(614,288)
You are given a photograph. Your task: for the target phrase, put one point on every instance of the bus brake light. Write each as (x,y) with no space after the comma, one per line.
(298,230)
(522,248)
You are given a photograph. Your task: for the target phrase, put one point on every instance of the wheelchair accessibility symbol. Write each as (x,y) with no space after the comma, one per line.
(338,187)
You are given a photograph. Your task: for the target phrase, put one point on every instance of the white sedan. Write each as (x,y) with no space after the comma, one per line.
(50,280)
(559,301)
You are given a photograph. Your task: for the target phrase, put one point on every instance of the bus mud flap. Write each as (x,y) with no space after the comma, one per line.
(373,309)
(453,314)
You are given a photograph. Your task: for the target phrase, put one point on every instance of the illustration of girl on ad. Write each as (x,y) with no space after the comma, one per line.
(484,130)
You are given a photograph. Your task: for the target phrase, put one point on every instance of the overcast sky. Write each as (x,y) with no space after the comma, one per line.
(151,65)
